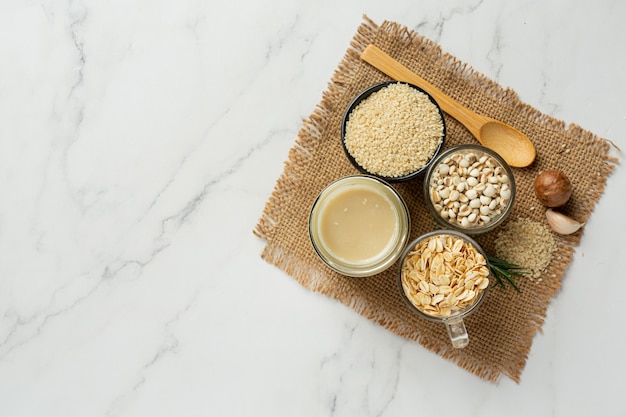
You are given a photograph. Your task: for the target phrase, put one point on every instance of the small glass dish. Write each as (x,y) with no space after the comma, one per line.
(448,289)
(393,148)
(359,225)
(469,188)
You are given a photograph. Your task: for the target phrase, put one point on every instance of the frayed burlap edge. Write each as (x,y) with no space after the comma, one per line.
(299,154)
(304,149)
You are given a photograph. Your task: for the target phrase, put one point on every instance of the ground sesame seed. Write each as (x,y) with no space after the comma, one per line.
(526,243)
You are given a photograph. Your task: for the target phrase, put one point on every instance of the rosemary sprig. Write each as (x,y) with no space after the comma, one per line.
(506,271)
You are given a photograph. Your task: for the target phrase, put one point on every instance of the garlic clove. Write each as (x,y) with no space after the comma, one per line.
(561,223)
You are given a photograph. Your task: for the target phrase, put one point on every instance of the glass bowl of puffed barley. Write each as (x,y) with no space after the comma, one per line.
(392,130)
(469,188)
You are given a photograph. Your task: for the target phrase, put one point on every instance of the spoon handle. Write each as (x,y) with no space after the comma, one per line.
(383,62)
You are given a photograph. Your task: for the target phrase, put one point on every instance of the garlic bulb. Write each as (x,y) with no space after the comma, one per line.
(562,224)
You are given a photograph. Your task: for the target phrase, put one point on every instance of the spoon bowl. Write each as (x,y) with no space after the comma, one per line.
(514,147)
(506,140)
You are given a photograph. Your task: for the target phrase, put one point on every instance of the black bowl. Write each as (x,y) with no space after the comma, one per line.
(364,95)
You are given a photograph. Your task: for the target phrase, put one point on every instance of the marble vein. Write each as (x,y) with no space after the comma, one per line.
(77,20)
(168,346)
(173,222)
(436,29)
(376,370)
(494,54)
(25,330)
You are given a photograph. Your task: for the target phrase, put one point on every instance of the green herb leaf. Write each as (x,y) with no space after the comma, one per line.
(505,271)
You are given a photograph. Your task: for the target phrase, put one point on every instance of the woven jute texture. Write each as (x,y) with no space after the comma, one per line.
(502,330)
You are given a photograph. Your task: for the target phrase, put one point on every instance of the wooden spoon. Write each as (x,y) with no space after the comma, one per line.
(515,147)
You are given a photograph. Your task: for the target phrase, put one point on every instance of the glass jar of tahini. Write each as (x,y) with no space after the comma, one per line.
(359,225)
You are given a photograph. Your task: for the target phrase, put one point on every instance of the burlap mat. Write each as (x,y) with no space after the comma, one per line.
(502,330)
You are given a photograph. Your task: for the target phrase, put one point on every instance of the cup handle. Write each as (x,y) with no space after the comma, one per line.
(457,332)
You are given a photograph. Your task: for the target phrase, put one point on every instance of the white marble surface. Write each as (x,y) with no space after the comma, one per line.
(139,141)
